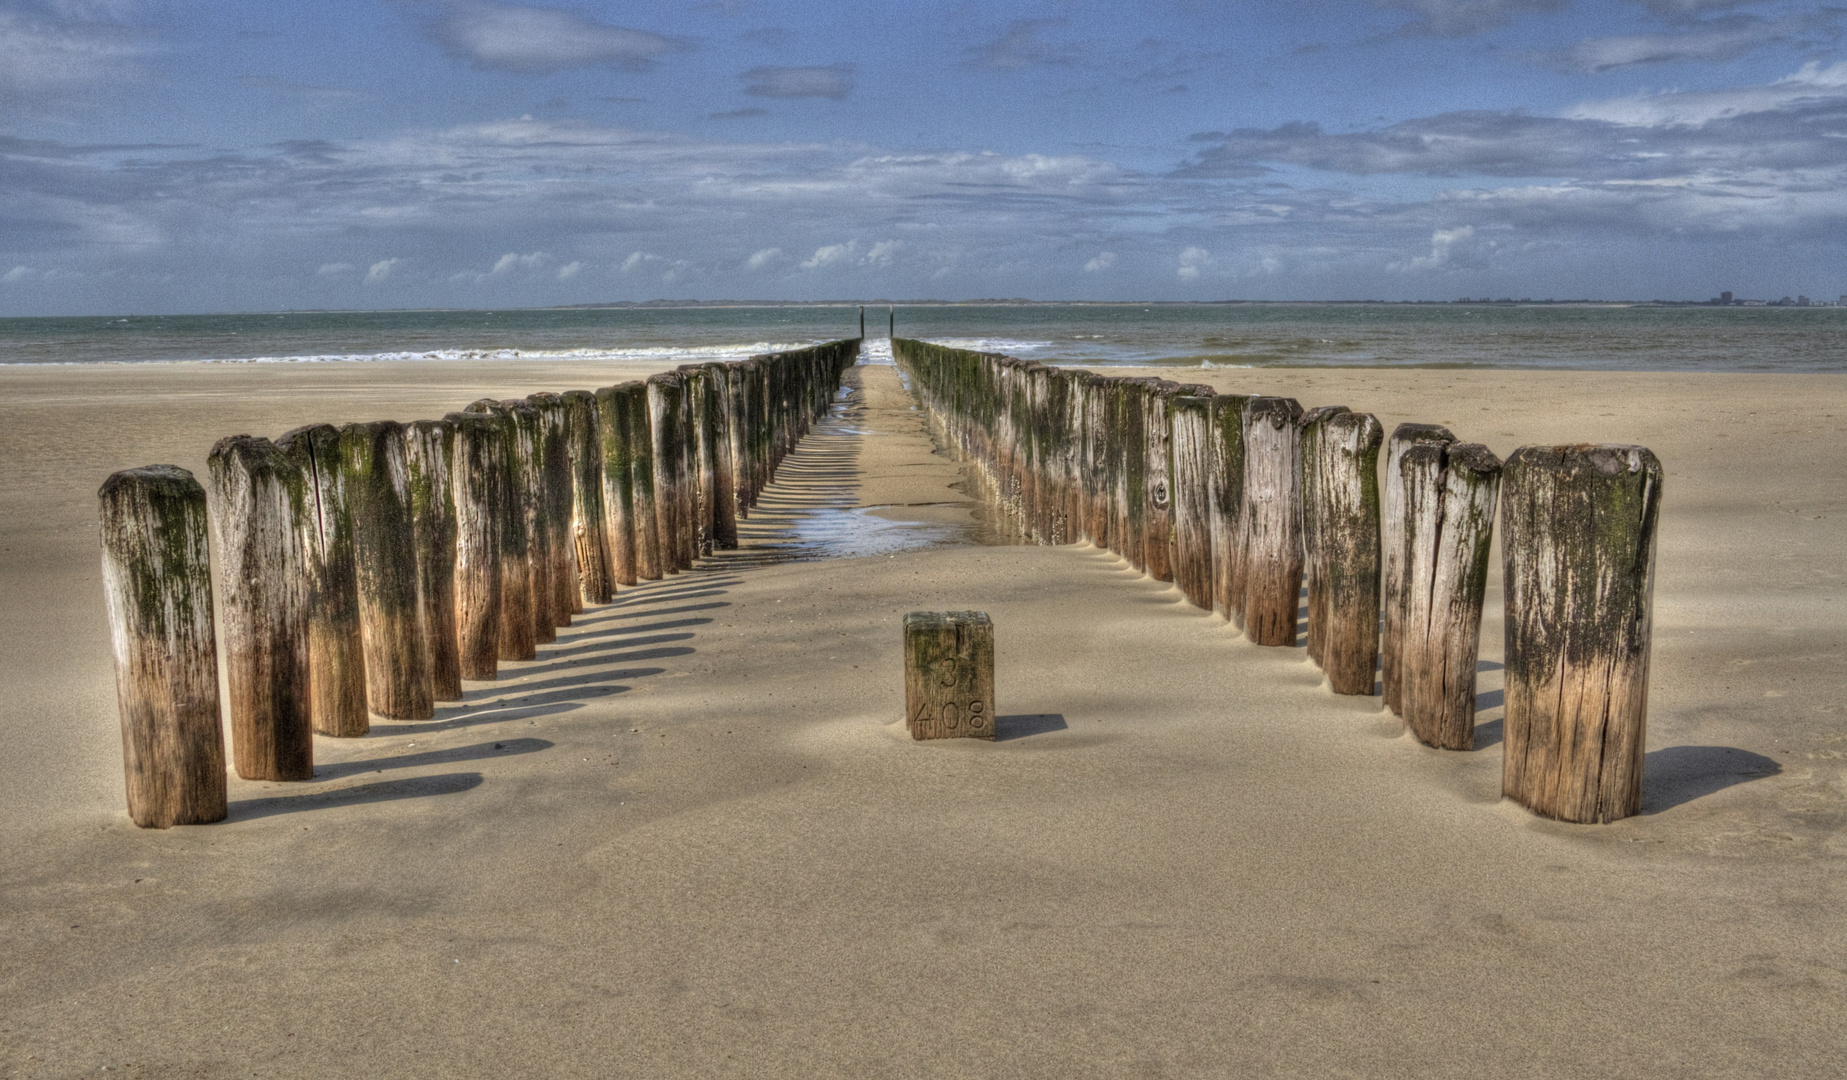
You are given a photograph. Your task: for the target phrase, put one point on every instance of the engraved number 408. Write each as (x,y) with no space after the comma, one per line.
(953,713)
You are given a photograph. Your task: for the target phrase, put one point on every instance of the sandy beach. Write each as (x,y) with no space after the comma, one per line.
(693,839)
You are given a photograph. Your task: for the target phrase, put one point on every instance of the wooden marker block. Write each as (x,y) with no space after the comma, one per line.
(949,674)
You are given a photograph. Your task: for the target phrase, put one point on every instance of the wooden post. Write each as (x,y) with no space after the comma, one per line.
(385,551)
(1392,548)
(1228,505)
(1192,441)
(664,418)
(336,653)
(1310,426)
(651,557)
(1157,483)
(515,637)
(1347,488)
(1130,435)
(1578,559)
(589,528)
(693,534)
(618,483)
(429,461)
(719,409)
(701,461)
(479,476)
(554,462)
(529,454)
(1450,492)
(258,510)
(157,582)
(862,320)
(1271,522)
(1099,491)
(949,674)
(738,431)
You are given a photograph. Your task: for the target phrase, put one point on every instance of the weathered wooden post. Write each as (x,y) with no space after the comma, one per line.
(336,654)
(1310,426)
(529,471)
(384,546)
(949,674)
(589,528)
(664,418)
(1578,559)
(737,430)
(701,464)
(1271,522)
(429,461)
(479,476)
(1391,546)
(157,582)
(1157,483)
(1228,505)
(258,510)
(554,461)
(1099,492)
(516,637)
(1450,492)
(717,426)
(651,555)
(1347,490)
(1192,441)
(1128,431)
(617,478)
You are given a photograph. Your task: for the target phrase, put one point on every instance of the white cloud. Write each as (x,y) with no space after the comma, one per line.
(1443,247)
(760,259)
(570,270)
(55,54)
(382,269)
(1809,84)
(512,261)
(882,252)
(1100,262)
(831,255)
(834,81)
(1192,260)
(1456,18)
(639,259)
(15,275)
(541,40)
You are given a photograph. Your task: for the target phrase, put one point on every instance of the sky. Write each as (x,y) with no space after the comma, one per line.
(160,156)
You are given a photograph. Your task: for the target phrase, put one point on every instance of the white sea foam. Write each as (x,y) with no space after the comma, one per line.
(659,354)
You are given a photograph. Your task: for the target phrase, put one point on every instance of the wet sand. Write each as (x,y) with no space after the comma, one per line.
(691,838)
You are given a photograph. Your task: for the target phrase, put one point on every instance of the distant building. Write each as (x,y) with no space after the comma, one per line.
(1802,301)
(1725,297)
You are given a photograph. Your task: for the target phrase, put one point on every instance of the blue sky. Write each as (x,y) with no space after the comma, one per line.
(217,156)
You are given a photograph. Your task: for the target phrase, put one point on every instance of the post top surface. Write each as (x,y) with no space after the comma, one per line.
(931,620)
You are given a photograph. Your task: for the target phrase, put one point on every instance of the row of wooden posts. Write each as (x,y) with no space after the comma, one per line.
(370,569)
(1241,500)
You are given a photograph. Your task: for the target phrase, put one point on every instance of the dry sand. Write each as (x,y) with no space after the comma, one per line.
(692,839)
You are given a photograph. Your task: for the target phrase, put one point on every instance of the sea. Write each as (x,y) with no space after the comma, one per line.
(1230,335)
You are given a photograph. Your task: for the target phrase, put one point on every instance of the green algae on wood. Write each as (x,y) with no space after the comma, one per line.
(157,585)
(336,652)
(1578,539)
(259,512)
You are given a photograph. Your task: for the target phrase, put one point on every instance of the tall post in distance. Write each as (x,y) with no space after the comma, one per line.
(1392,567)
(515,638)
(1450,492)
(258,509)
(589,528)
(429,460)
(157,583)
(384,546)
(478,473)
(1315,580)
(1347,487)
(1578,566)
(1272,521)
(336,653)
